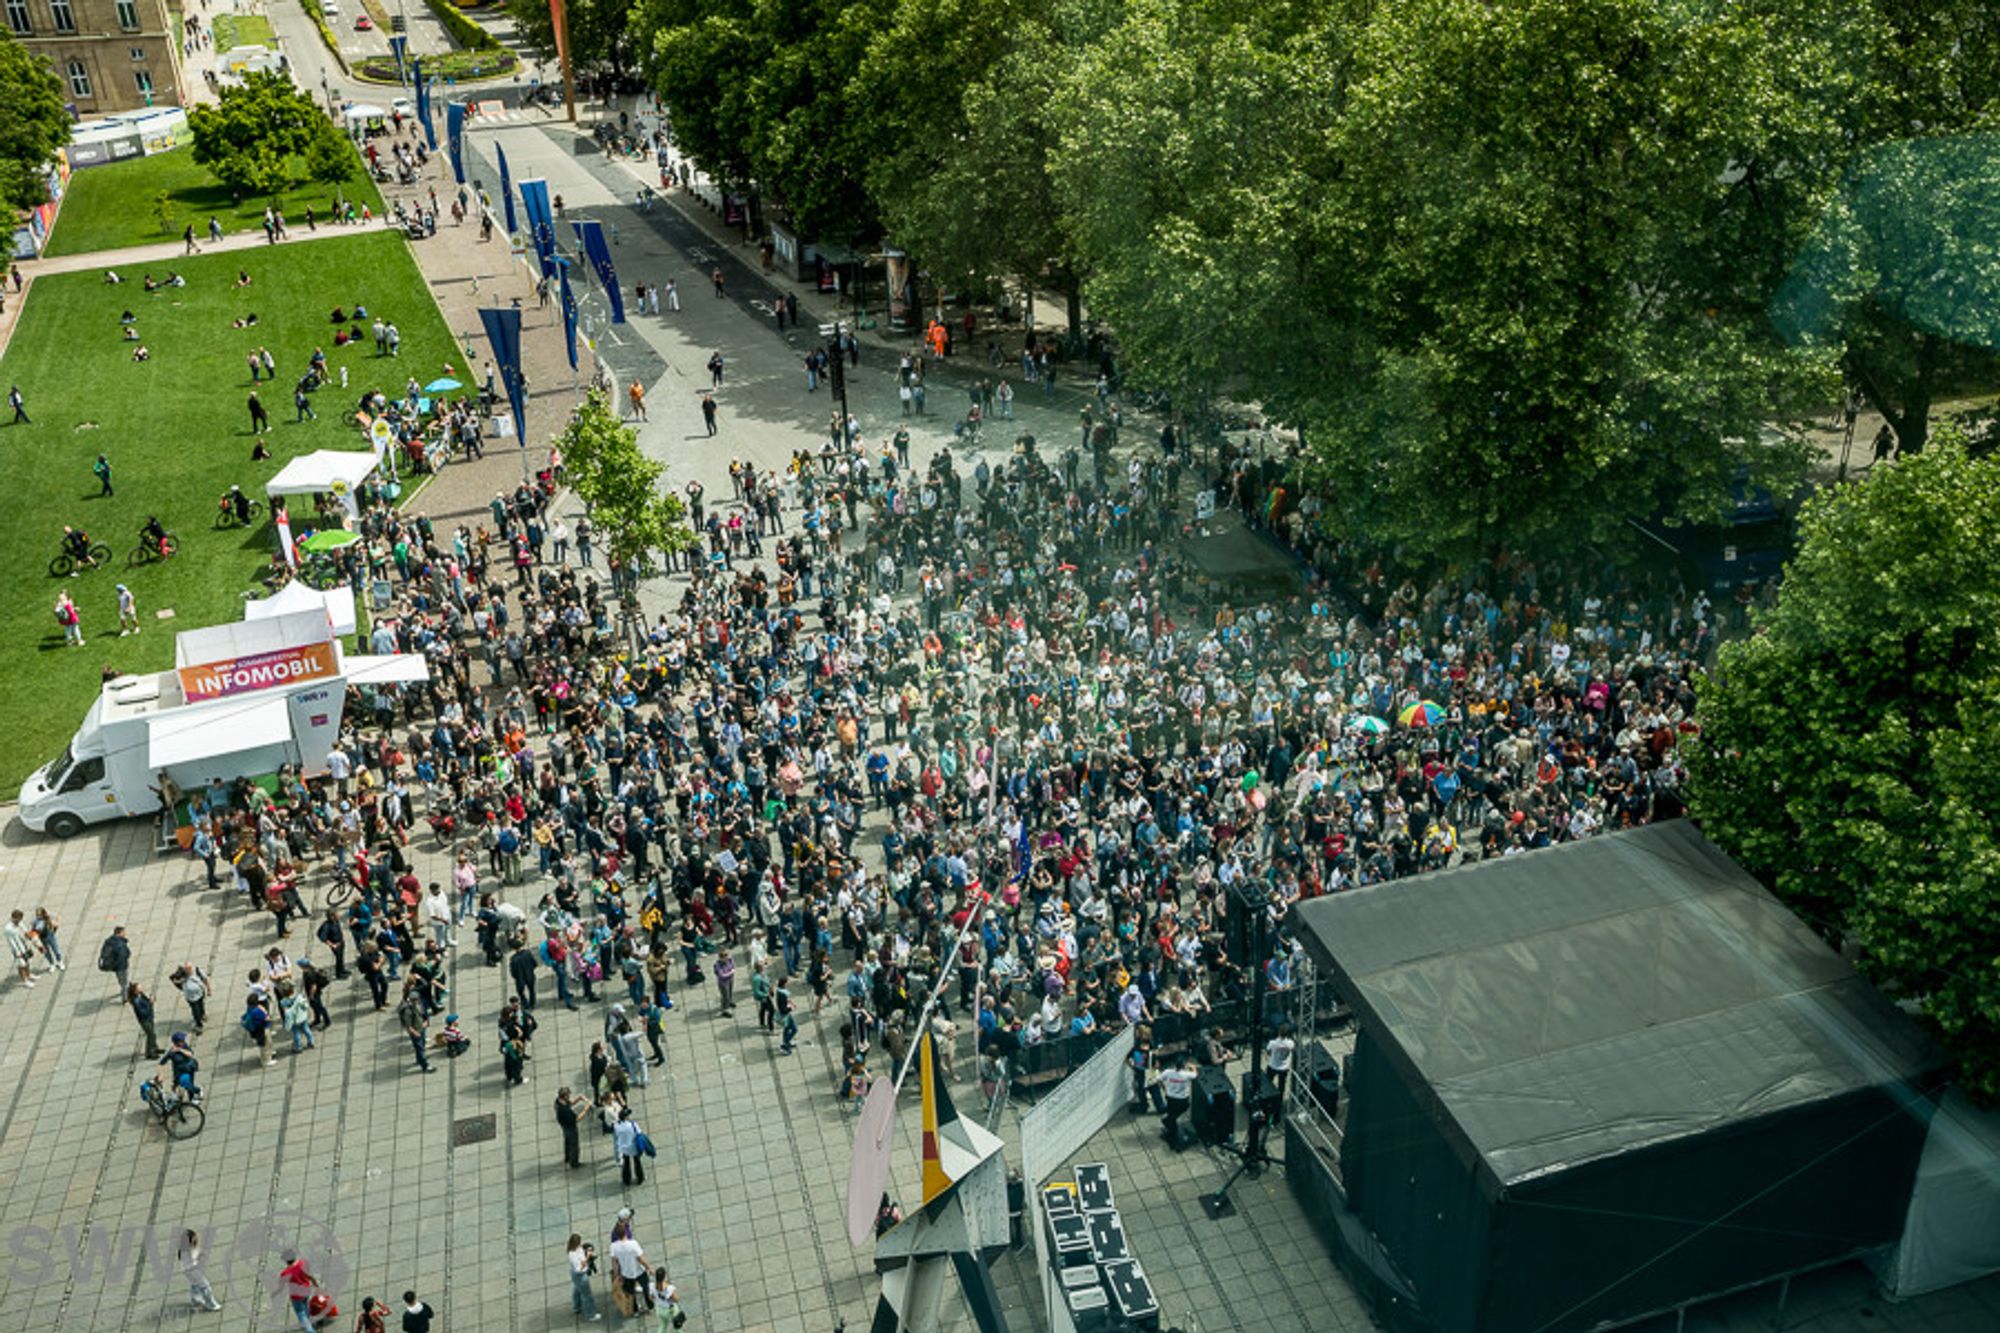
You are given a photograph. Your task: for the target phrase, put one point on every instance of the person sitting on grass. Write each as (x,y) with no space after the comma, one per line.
(152,284)
(260,450)
(131,334)
(242,278)
(111,278)
(249,321)
(175,280)
(141,353)
(339,316)
(128,318)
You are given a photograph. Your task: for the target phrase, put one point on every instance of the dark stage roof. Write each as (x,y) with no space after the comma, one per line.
(1605,996)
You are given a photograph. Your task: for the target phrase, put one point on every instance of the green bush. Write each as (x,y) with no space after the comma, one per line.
(464,66)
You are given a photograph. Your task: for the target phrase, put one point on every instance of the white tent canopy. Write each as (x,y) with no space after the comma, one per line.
(1952,1232)
(388,669)
(337,603)
(337,471)
(364,111)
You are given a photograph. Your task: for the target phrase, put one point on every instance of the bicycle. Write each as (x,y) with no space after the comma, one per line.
(148,551)
(227,516)
(180,1115)
(66,563)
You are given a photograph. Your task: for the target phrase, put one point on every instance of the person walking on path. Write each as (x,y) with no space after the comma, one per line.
(256,1022)
(101,469)
(708,412)
(214,230)
(410,1013)
(725,982)
(200,1294)
(142,1011)
(20,404)
(128,612)
(716,278)
(715,370)
(188,237)
(637,393)
(299,1283)
(582,1259)
(673,295)
(303,406)
(19,947)
(789,1023)
(570,1110)
(417,1316)
(522,968)
(115,956)
(260,420)
(630,1142)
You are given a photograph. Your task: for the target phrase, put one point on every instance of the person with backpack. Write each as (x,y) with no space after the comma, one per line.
(194,988)
(115,956)
(70,619)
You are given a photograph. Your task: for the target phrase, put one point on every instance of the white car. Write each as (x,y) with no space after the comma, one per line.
(329,8)
(403,107)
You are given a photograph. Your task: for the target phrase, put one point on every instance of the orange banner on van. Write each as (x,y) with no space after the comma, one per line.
(260,671)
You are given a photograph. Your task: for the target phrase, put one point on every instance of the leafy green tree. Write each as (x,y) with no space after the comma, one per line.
(1193,140)
(599,31)
(33,124)
(623,488)
(329,158)
(962,93)
(759,92)
(1846,749)
(1556,229)
(250,138)
(1903,278)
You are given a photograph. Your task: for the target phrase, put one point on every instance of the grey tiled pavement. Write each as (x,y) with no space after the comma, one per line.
(744,1204)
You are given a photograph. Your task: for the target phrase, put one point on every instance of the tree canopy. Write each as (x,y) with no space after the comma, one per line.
(252,136)
(33,124)
(1844,748)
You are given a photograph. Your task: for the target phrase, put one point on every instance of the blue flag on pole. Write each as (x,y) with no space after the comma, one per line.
(399,44)
(598,251)
(503,331)
(569,310)
(541,223)
(424,103)
(506,188)
(454,129)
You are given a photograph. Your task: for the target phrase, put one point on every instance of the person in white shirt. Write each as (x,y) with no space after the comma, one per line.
(581,1300)
(1177,1084)
(630,1262)
(1278,1059)
(437,911)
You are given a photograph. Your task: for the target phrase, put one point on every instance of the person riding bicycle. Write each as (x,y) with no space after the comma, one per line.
(239,504)
(76,545)
(153,536)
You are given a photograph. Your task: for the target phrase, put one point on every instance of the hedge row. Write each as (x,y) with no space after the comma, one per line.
(462,29)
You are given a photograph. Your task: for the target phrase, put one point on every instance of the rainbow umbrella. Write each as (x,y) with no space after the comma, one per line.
(1368,726)
(1422,713)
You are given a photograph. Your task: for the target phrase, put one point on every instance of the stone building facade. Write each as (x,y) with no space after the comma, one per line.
(111,55)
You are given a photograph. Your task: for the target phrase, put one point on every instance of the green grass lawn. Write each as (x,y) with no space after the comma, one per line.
(176,431)
(111,207)
(234,30)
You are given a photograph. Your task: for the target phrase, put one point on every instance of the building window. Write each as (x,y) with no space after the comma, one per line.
(17,17)
(128,15)
(143,81)
(137,52)
(65,18)
(79,81)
